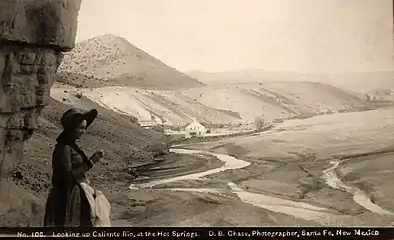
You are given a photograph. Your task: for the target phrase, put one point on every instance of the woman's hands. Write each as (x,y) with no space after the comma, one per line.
(97,156)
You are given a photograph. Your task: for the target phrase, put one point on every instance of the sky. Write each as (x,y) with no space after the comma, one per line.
(274,35)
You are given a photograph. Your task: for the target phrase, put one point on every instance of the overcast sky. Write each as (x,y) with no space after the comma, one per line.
(274,35)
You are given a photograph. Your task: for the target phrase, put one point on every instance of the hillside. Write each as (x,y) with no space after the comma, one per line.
(229,103)
(124,142)
(112,60)
(170,107)
(275,100)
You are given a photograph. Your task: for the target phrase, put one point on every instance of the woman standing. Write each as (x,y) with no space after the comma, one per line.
(67,204)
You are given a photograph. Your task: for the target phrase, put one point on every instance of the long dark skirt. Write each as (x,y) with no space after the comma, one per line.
(67,207)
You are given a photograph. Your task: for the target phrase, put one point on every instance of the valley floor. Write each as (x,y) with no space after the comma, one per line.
(327,170)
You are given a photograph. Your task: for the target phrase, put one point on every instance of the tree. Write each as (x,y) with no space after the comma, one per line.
(259,122)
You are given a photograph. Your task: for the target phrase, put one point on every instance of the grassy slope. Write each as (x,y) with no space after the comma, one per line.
(122,140)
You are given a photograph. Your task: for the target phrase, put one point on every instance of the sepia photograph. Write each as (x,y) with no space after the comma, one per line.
(197,113)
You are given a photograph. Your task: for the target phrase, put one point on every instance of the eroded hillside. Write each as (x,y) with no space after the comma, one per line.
(231,103)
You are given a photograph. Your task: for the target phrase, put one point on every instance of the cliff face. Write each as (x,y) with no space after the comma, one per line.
(33,35)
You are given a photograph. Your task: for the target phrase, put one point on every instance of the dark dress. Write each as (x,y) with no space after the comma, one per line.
(67,204)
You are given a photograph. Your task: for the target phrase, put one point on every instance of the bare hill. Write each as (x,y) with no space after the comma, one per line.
(229,103)
(113,59)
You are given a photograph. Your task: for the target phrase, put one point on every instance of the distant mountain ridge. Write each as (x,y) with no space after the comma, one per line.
(356,82)
(114,61)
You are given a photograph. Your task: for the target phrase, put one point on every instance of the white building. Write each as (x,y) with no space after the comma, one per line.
(195,129)
(148,123)
(154,121)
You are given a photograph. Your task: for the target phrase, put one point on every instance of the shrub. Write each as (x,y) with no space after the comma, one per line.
(259,123)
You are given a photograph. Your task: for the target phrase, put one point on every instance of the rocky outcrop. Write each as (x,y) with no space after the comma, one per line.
(46,23)
(33,35)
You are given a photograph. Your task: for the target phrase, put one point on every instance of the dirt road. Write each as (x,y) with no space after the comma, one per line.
(304,172)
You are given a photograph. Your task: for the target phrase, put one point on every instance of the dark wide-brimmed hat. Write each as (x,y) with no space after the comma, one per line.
(73,117)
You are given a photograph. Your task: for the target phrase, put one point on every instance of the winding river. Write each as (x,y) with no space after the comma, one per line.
(229,163)
(360,197)
(275,204)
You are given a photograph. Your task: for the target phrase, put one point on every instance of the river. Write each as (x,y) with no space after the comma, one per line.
(359,196)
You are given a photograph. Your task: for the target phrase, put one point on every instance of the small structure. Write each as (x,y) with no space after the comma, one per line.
(148,123)
(153,122)
(195,129)
(167,125)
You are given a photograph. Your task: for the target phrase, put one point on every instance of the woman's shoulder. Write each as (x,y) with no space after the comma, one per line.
(67,148)
(60,146)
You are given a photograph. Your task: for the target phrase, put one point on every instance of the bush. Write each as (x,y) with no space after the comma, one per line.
(158,128)
(78,95)
(259,123)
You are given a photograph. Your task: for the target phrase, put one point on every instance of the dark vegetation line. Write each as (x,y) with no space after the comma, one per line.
(357,155)
(215,138)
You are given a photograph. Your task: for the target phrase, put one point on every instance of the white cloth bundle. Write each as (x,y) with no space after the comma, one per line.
(99,206)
